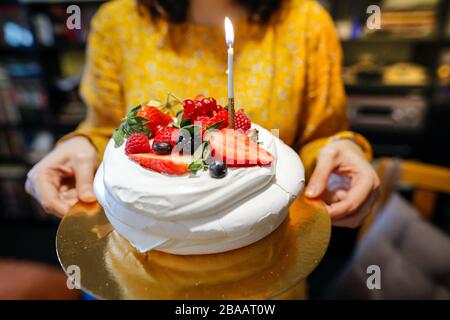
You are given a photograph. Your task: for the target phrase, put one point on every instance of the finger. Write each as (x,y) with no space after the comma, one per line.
(356,196)
(70,196)
(355,220)
(326,163)
(47,195)
(84,176)
(334,196)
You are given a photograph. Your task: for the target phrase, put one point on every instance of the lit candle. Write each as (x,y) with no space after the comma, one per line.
(229,36)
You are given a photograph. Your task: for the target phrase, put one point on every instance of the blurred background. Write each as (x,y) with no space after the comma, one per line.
(397,79)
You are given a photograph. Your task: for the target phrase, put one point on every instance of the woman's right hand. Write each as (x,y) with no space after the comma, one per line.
(65,176)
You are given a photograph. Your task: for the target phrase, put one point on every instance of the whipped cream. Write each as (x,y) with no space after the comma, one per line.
(196,214)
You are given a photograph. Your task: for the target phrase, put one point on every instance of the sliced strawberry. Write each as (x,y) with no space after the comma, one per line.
(237,150)
(168,164)
(156,118)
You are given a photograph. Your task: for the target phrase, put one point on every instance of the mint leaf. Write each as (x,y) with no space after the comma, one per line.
(129,129)
(178,120)
(185,122)
(192,129)
(196,166)
(118,136)
(207,153)
(132,121)
(214,126)
(133,111)
(254,136)
(198,153)
(141,121)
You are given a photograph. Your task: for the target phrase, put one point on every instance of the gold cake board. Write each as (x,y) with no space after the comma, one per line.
(272,268)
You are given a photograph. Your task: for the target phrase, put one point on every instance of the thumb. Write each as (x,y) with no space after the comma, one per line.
(84,178)
(326,163)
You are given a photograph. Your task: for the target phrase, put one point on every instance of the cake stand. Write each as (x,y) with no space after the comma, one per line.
(272,268)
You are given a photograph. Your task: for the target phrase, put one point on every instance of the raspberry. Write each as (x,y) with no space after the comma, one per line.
(241,121)
(222,115)
(137,143)
(202,121)
(167,134)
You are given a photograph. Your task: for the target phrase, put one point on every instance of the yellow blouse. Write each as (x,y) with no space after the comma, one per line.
(287,74)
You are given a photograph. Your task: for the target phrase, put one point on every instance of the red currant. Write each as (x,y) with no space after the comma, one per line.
(189,109)
(202,108)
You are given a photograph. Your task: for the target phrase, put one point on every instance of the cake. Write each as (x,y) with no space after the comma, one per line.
(162,191)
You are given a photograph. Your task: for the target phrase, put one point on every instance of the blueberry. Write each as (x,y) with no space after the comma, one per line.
(218,169)
(162,148)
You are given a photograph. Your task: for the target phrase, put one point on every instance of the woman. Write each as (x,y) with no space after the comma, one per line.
(287,76)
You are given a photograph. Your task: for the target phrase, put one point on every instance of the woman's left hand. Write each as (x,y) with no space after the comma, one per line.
(346,181)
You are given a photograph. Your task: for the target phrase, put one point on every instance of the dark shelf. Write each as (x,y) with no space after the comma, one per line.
(379,88)
(62,46)
(41,48)
(13,160)
(38,126)
(390,40)
(45,2)
(17,50)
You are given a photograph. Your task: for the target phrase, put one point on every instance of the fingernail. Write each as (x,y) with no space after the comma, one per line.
(311,191)
(87,194)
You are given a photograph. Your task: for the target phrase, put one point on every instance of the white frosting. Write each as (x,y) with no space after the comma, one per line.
(196,214)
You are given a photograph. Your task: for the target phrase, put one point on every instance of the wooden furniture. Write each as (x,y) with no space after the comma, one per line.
(426,180)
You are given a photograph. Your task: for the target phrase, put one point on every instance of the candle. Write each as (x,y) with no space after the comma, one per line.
(229,36)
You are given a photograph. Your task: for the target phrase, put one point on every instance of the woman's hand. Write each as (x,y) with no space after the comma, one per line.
(64,176)
(346,182)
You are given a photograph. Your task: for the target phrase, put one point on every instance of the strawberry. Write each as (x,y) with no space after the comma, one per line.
(137,143)
(168,164)
(242,121)
(167,134)
(237,150)
(222,115)
(156,118)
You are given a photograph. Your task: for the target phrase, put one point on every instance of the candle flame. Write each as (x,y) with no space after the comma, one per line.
(229,32)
